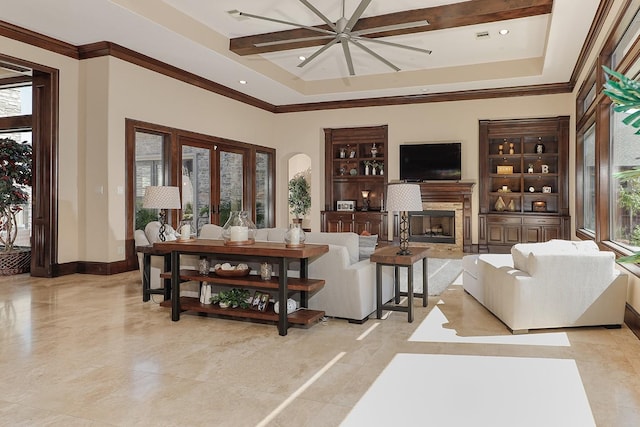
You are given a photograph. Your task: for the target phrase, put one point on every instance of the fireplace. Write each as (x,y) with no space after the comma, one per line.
(432,226)
(452,196)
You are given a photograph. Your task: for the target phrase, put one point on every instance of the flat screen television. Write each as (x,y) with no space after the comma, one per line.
(431,162)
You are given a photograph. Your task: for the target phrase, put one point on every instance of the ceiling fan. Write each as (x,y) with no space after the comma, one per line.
(342,32)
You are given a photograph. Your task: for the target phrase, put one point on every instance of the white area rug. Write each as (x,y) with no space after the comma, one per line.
(483,391)
(442,273)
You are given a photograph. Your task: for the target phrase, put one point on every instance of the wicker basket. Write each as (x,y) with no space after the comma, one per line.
(17,261)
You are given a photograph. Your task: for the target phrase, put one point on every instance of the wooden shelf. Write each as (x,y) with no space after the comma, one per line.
(302,316)
(499,230)
(358,140)
(252,281)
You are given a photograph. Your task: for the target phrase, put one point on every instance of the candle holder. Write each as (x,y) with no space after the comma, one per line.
(239,230)
(295,237)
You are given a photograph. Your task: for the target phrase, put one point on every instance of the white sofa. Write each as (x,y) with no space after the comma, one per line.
(349,290)
(555,284)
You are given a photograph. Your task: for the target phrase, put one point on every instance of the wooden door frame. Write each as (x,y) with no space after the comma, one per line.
(44,189)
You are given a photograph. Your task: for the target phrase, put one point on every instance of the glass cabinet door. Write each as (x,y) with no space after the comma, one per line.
(196,185)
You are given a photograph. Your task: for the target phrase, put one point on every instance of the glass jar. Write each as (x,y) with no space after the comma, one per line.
(265,271)
(203,266)
(295,237)
(239,229)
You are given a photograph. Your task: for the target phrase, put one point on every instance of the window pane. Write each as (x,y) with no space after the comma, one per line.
(231,184)
(15,101)
(196,185)
(263,190)
(149,170)
(24,216)
(589,98)
(589,179)
(625,200)
(629,37)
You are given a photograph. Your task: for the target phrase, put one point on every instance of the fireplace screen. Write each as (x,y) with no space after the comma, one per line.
(432,226)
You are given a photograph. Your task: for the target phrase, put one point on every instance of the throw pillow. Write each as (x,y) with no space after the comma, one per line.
(367,245)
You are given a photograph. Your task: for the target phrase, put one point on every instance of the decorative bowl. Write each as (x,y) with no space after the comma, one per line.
(232,273)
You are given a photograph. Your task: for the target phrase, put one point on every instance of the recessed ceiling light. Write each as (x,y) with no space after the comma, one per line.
(302,58)
(243,82)
(503,32)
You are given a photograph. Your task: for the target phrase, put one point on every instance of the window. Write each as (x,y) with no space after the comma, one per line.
(15,101)
(264,189)
(589,180)
(607,207)
(215,176)
(625,193)
(149,170)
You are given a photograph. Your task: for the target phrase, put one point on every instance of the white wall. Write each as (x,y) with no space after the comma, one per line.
(70,149)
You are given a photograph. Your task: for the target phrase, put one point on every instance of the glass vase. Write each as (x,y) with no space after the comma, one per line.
(239,229)
(295,237)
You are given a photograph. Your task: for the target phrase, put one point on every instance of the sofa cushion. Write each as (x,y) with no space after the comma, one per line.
(211,231)
(367,245)
(348,239)
(521,251)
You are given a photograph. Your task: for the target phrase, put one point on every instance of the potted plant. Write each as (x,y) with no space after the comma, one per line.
(234,297)
(299,196)
(15,179)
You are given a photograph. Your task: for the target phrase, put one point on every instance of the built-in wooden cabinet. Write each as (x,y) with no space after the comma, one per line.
(355,161)
(356,222)
(524,194)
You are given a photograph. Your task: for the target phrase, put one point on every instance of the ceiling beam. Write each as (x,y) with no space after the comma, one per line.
(440,17)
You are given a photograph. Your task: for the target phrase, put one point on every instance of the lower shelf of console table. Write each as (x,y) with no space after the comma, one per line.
(303,316)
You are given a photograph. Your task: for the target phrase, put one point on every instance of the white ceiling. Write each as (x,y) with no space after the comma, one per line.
(194,35)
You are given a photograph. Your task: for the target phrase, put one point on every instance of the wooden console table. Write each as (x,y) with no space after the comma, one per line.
(270,252)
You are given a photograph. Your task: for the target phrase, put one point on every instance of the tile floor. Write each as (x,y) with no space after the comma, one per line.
(84,350)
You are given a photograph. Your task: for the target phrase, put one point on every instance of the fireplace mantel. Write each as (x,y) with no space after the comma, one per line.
(455,192)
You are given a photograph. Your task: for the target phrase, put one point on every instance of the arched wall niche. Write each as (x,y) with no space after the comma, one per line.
(299,163)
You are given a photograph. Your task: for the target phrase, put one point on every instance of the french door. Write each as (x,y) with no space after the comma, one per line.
(213,182)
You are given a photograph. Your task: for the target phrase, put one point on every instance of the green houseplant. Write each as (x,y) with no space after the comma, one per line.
(235,297)
(299,196)
(15,179)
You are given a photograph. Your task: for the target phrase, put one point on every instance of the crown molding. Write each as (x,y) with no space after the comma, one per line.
(39,40)
(467,95)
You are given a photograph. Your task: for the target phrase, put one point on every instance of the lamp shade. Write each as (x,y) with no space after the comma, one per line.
(161,197)
(404,197)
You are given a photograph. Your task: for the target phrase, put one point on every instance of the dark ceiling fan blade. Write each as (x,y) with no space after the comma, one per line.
(375,55)
(394,27)
(347,57)
(319,14)
(356,15)
(402,46)
(279,21)
(303,39)
(318,52)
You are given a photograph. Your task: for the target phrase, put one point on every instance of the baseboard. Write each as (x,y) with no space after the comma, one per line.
(632,319)
(98,268)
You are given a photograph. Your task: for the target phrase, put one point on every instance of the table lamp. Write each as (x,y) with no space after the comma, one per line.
(403,198)
(163,198)
(365,199)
